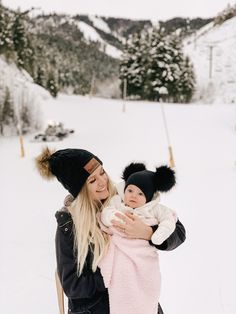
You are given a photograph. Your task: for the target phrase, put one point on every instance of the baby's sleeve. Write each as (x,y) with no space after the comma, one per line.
(108,212)
(166,224)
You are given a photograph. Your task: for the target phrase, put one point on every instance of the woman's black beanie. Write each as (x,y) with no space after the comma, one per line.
(70,166)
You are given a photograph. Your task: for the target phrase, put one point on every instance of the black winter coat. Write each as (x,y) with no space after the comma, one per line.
(87,293)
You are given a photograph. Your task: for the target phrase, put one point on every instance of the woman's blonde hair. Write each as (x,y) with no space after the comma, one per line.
(87,231)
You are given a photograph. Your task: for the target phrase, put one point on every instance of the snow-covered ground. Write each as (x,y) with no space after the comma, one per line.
(216,82)
(199,276)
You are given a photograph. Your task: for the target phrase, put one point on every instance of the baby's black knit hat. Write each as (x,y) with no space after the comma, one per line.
(149,182)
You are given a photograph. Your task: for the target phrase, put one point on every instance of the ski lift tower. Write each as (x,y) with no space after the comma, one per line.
(211,46)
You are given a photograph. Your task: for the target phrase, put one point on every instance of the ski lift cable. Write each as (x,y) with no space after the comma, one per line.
(171,161)
(165,124)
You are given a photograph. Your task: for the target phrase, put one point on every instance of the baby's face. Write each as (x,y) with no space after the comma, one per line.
(134,197)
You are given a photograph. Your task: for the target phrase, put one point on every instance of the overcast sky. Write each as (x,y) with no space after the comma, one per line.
(135,9)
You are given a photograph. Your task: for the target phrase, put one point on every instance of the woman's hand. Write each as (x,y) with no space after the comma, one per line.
(132,226)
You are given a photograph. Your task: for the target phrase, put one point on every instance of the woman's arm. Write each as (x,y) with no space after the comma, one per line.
(133,227)
(88,283)
(175,239)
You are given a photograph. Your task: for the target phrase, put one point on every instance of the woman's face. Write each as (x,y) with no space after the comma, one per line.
(97,184)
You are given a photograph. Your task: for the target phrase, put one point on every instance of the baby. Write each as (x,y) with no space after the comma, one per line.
(140,199)
(130,267)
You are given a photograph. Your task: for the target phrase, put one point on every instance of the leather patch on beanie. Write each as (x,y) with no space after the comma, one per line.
(92,165)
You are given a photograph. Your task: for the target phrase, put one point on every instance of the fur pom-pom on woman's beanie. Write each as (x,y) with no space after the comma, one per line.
(149,182)
(70,166)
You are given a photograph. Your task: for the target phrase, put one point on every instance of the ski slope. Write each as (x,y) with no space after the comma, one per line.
(199,276)
(211,51)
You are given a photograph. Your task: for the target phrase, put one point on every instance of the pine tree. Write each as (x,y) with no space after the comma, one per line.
(52,85)
(8,112)
(187,81)
(41,76)
(64,79)
(159,72)
(22,43)
(176,63)
(19,38)
(2,96)
(6,40)
(156,69)
(25,118)
(1,118)
(41,65)
(227,13)
(133,65)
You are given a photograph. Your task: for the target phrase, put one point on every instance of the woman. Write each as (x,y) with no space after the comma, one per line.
(80,241)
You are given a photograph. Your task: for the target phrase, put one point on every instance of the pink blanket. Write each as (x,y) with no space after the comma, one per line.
(131,273)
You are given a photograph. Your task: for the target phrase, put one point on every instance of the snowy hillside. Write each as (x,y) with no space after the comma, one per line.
(20,100)
(216,82)
(19,81)
(198,277)
(99,23)
(91,34)
(91,65)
